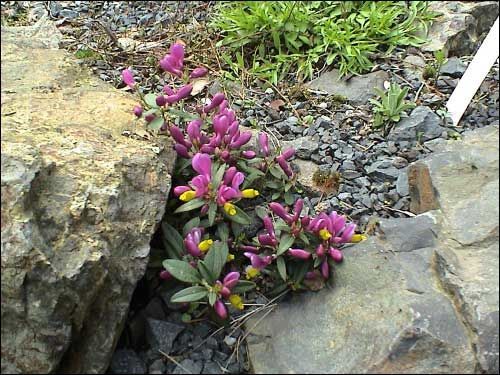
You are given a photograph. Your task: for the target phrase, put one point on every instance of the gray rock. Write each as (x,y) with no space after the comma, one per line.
(422,124)
(158,366)
(304,147)
(189,366)
(382,170)
(454,67)
(212,368)
(80,203)
(466,173)
(402,184)
(126,361)
(399,162)
(458,29)
(380,317)
(161,334)
(357,89)
(67,13)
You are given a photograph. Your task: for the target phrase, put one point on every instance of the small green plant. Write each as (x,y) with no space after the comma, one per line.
(432,70)
(391,106)
(86,54)
(273,39)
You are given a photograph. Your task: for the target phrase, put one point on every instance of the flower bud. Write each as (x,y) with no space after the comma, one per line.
(161,101)
(336,255)
(198,72)
(184,92)
(128,78)
(325,269)
(220,309)
(299,253)
(320,250)
(149,118)
(287,154)
(165,275)
(138,110)
(182,150)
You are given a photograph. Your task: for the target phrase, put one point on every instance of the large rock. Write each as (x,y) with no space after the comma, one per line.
(422,124)
(459,28)
(80,203)
(466,175)
(357,89)
(381,316)
(420,297)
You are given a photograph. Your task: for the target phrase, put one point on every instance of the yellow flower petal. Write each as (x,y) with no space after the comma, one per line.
(187,195)
(324,234)
(230,209)
(249,193)
(252,272)
(230,257)
(205,245)
(358,238)
(236,301)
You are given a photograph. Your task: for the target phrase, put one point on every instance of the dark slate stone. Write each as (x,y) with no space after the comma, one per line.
(126,361)
(454,67)
(161,334)
(422,124)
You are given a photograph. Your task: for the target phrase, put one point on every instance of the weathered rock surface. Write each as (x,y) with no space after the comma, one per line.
(80,203)
(419,297)
(459,28)
(357,89)
(422,124)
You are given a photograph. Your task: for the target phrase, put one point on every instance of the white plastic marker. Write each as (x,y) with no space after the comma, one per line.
(474,75)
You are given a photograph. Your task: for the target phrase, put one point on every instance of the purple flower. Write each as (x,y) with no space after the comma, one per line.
(161,100)
(184,91)
(240,140)
(279,210)
(192,241)
(231,279)
(168,90)
(149,118)
(284,165)
(198,72)
(165,275)
(336,255)
(220,309)
(263,144)
(138,110)
(128,77)
(203,165)
(248,154)
(216,100)
(249,248)
(299,253)
(174,62)
(325,269)
(257,261)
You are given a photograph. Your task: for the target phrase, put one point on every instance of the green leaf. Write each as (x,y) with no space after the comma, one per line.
(223,232)
(261,212)
(285,243)
(206,273)
(172,240)
(240,217)
(156,123)
(150,99)
(216,258)
(212,297)
(216,180)
(301,271)
(289,198)
(212,210)
(182,271)
(280,262)
(243,286)
(191,294)
(193,223)
(191,205)
(186,318)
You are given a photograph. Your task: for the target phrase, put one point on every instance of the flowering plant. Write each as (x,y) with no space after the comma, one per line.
(222,187)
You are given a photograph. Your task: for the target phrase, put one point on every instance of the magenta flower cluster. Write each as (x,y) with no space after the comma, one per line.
(212,255)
